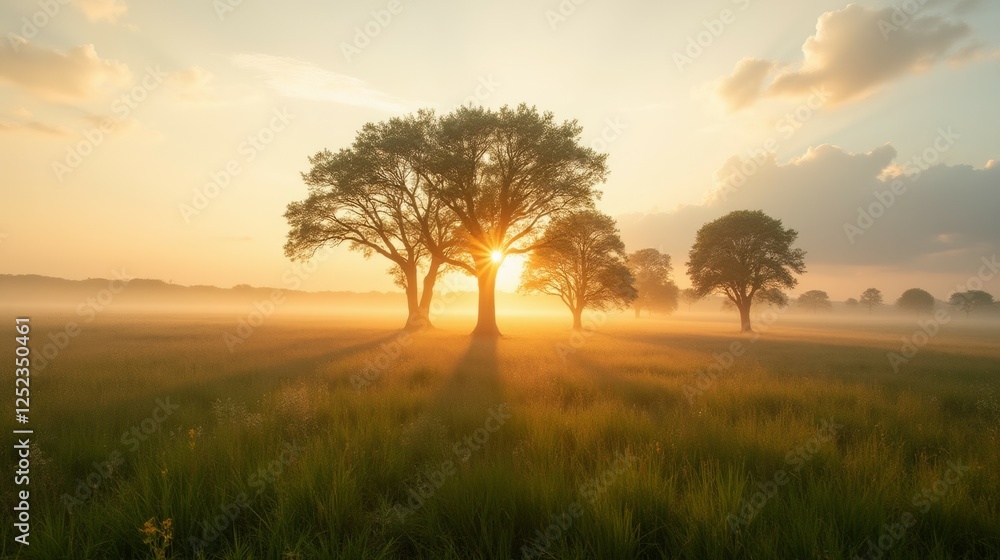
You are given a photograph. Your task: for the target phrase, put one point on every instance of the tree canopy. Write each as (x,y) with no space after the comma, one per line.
(745,255)
(916,300)
(462,190)
(971,300)
(652,271)
(815,300)
(871,298)
(581,259)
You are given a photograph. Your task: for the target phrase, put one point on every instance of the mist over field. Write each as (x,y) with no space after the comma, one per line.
(499,280)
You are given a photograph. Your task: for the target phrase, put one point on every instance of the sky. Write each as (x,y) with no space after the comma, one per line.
(166,139)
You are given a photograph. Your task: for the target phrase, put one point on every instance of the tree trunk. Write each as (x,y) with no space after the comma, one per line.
(486,324)
(578,319)
(744,317)
(637,311)
(424,309)
(413,321)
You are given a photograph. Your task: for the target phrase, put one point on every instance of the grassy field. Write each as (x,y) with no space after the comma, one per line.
(643,439)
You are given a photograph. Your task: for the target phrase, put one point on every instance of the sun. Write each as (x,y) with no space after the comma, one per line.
(496,256)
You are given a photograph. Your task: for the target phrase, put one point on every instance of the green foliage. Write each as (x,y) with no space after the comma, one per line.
(581,259)
(815,300)
(916,300)
(971,300)
(743,254)
(652,271)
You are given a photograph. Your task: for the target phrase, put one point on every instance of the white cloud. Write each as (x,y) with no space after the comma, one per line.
(73,75)
(945,213)
(101,10)
(854,52)
(300,79)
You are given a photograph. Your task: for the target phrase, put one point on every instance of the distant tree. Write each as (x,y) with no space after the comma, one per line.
(871,298)
(815,300)
(851,303)
(916,300)
(745,255)
(581,259)
(971,300)
(656,290)
(689,296)
(504,174)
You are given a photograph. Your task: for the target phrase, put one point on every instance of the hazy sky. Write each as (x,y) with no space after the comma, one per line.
(209,110)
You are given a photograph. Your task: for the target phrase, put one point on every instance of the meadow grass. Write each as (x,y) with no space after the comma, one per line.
(808,445)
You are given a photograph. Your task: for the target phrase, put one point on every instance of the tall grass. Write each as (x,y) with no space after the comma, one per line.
(273,453)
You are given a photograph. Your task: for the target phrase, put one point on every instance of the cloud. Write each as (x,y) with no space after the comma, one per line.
(854,52)
(34,126)
(101,10)
(299,79)
(192,83)
(743,86)
(944,217)
(74,75)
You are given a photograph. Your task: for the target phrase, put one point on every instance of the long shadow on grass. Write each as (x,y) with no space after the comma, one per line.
(473,385)
(215,385)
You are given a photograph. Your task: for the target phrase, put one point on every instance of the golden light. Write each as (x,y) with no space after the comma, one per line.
(496,256)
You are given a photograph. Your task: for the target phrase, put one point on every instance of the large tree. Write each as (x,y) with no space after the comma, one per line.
(971,300)
(815,300)
(371,197)
(916,300)
(743,255)
(871,298)
(504,174)
(581,259)
(657,291)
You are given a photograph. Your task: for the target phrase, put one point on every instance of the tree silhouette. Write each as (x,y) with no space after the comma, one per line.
(656,290)
(581,259)
(690,297)
(815,300)
(503,174)
(871,298)
(971,300)
(916,300)
(371,197)
(743,255)
(851,303)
